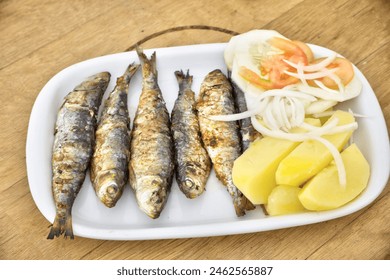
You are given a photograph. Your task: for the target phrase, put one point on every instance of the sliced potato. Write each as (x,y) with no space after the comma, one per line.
(311,156)
(284,200)
(254,171)
(323,192)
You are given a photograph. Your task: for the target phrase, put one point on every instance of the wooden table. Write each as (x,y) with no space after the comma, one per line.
(40,38)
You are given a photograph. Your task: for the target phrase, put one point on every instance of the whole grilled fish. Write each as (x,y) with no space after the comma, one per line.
(193,164)
(222,139)
(152,156)
(109,165)
(248,133)
(73,144)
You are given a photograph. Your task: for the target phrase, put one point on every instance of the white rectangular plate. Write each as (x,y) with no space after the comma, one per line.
(208,215)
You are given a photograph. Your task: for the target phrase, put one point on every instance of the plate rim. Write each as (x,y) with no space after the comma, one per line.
(223,228)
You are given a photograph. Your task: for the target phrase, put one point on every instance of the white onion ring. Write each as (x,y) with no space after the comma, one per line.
(320,74)
(314,67)
(324,87)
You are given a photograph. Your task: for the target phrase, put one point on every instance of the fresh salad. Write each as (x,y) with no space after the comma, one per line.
(292,96)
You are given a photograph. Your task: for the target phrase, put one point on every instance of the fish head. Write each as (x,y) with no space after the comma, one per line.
(110,194)
(109,189)
(152,196)
(193,184)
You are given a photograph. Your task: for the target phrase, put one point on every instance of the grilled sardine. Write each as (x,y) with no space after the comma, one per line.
(110,161)
(152,156)
(73,145)
(247,131)
(221,139)
(193,164)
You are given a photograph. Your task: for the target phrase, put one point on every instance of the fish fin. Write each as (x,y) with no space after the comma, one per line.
(184,80)
(249,205)
(149,65)
(179,76)
(242,204)
(229,74)
(140,53)
(56,228)
(153,63)
(130,71)
(264,209)
(61,225)
(68,227)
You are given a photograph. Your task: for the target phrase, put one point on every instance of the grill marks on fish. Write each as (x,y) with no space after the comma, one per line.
(109,165)
(247,131)
(152,156)
(221,139)
(72,149)
(193,164)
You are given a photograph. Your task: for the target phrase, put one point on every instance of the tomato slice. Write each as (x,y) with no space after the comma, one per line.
(291,50)
(253,78)
(306,49)
(344,72)
(273,66)
(256,80)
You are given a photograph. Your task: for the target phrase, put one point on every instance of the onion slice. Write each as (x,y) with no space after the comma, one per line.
(301,73)
(270,108)
(289,93)
(312,135)
(337,159)
(234,117)
(312,76)
(324,87)
(314,67)
(337,80)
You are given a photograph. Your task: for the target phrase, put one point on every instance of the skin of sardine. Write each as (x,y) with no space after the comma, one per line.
(151,165)
(72,150)
(109,164)
(247,131)
(221,139)
(193,164)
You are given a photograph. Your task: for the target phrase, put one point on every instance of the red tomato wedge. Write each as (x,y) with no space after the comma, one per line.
(256,80)
(344,72)
(273,66)
(306,49)
(292,51)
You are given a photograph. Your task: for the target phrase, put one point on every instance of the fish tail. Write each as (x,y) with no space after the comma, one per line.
(56,228)
(229,74)
(68,228)
(130,71)
(184,80)
(61,225)
(248,205)
(241,203)
(148,65)
(243,206)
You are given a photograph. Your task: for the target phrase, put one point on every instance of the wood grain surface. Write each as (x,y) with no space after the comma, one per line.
(40,38)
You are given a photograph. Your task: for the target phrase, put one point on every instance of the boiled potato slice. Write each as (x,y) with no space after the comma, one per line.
(284,200)
(327,114)
(311,156)
(254,171)
(323,192)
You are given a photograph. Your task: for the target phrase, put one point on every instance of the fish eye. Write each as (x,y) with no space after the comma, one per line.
(189,183)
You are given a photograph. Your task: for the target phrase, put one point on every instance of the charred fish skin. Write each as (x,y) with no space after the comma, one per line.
(152,156)
(72,150)
(109,164)
(193,164)
(222,139)
(247,131)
